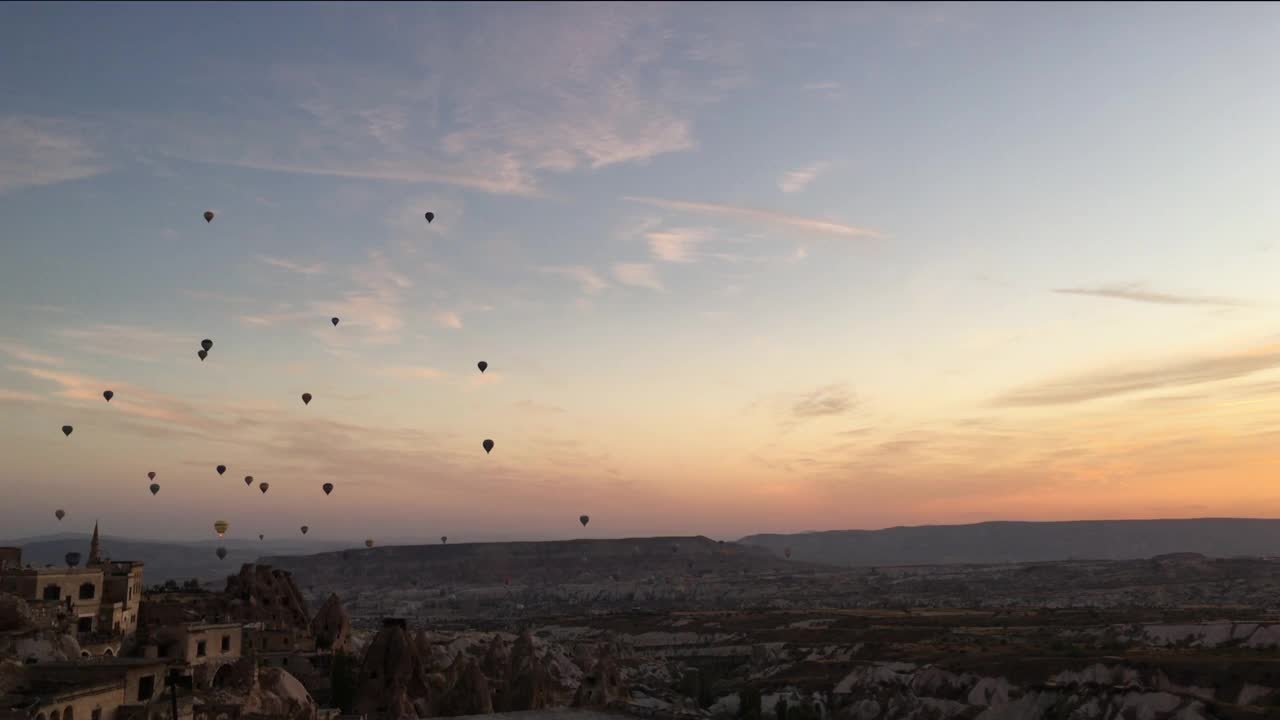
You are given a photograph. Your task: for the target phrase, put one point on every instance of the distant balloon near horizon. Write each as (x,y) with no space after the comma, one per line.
(327,488)
(304,529)
(368,543)
(584,519)
(483,366)
(206,344)
(488,446)
(66,430)
(260,536)
(202,354)
(151,475)
(334,321)
(787,552)
(59,514)
(430,216)
(222,553)
(306,398)
(208,216)
(263,487)
(155,488)
(108,395)
(72,558)
(220,527)
(444,539)
(221,469)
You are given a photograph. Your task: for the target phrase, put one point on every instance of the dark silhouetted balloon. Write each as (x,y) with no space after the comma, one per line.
(259,536)
(66,430)
(327,488)
(444,539)
(151,475)
(155,488)
(60,514)
(488,446)
(248,480)
(482,365)
(334,321)
(208,216)
(584,519)
(263,487)
(206,344)
(220,527)
(72,558)
(202,354)
(787,552)
(221,469)
(222,553)
(368,543)
(108,395)
(306,398)
(430,216)
(304,529)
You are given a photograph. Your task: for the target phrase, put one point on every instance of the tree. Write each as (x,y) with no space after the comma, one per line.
(342,680)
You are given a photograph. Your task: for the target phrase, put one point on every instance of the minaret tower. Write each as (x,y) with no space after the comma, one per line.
(95,550)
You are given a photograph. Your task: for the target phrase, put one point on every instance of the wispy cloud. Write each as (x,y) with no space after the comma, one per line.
(293,266)
(413,373)
(794,181)
(588,279)
(835,399)
(676,244)
(1190,371)
(38,151)
(826,227)
(448,319)
(26,353)
(131,342)
(1135,293)
(637,275)
(537,407)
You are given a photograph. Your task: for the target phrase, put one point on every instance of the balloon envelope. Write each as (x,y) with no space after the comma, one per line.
(60,514)
(260,536)
(444,539)
(108,395)
(248,480)
(73,559)
(334,321)
(151,475)
(263,487)
(222,553)
(202,354)
(304,529)
(488,445)
(430,216)
(327,487)
(208,216)
(206,344)
(306,398)
(482,365)
(221,527)
(66,430)
(368,543)
(584,520)
(221,469)
(155,488)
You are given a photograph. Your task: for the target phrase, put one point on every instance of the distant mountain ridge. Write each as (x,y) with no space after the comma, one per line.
(1019,541)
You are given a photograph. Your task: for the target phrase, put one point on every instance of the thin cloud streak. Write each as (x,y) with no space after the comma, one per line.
(826,227)
(37,151)
(794,181)
(587,278)
(292,266)
(1135,293)
(637,275)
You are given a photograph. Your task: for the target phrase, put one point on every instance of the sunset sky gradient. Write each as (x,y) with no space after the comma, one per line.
(734,268)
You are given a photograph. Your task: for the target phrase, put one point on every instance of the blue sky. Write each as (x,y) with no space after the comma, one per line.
(735,268)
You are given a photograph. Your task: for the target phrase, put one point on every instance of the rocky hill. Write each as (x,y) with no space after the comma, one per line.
(1005,542)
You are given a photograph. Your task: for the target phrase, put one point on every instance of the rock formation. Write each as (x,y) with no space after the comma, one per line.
(332,626)
(470,693)
(15,614)
(262,594)
(393,678)
(280,695)
(529,687)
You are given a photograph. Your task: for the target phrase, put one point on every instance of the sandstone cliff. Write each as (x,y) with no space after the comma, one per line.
(260,593)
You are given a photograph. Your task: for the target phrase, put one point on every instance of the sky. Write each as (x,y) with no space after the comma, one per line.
(735,268)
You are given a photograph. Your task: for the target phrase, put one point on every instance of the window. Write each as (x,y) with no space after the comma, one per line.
(87,591)
(200,649)
(84,624)
(226,643)
(52,592)
(146,687)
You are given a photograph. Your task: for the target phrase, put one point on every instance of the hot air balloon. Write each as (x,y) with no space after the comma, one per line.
(368,543)
(72,558)
(259,536)
(206,344)
(59,514)
(304,529)
(208,216)
(444,539)
(221,527)
(482,365)
(222,553)
(66,430)
(221,469)
(263,487)
(584,519)
(430,216)
(248,480)
(108,395)
(334,321)
(306,398)
(488,446)
(155,488)
(506,580)
(787,552)
(202,354)
(327,488)
(151,475)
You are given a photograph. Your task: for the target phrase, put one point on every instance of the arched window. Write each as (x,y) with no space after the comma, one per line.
(55,715)
(87,591)
(52,592)
(68,714)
